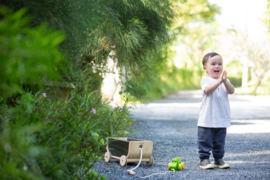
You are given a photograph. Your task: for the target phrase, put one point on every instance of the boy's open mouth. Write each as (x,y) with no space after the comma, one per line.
(216,71)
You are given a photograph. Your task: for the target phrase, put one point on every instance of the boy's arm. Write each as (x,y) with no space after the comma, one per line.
(229,87)
(212,87)
(223,78)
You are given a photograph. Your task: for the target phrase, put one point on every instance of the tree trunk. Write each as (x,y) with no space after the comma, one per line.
(245,74)
(258,84)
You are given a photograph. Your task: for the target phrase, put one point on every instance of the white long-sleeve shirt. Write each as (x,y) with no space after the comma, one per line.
(215,109)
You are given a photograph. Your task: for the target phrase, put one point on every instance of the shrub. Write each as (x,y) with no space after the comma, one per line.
(236,81)
(42,137)
(55,139)
(28,55)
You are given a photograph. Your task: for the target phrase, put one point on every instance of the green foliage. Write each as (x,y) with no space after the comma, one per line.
(169,81)
(43,137)
(57,140)
(17,148)
(163,78)
(76,19)
(94,28)
(26,51)
(158,75)
(194,12)
(47,138)
(138,28)
(267,17)
(236,81)
(131,32)
(235,75)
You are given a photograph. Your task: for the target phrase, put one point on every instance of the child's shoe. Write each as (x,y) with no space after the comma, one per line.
(221,164)
(206,164)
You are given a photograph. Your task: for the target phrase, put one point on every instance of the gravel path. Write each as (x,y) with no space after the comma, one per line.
(171,123)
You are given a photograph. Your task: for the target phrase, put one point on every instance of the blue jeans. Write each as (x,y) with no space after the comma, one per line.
(211,139)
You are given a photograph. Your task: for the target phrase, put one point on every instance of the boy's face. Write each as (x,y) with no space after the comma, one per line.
(214,67)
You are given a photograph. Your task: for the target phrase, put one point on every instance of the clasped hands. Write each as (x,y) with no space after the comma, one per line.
(223,77)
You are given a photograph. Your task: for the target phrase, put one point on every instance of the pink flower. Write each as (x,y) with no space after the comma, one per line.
(93,111)
(112,99)
(44,94)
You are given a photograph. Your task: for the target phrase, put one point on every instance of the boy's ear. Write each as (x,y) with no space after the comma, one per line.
(204,68)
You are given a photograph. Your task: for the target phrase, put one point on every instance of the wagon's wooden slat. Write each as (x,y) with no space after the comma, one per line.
(129,147)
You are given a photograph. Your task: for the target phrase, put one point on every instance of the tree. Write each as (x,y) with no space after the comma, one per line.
(167,76)
(259,55)
(266,20)
(96,27)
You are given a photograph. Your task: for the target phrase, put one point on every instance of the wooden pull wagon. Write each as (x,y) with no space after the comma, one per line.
(128,150)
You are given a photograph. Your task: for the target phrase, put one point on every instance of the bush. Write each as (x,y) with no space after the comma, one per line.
(28,55)
(169,80)
(55,139)
(43,137)
(236,81)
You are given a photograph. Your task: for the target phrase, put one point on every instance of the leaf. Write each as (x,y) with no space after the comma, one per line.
(95,135)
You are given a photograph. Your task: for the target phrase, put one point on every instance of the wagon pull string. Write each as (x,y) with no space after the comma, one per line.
(156,174)
(131,170)
(133,173)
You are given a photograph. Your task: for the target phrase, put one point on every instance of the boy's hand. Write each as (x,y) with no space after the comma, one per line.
(223,77)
